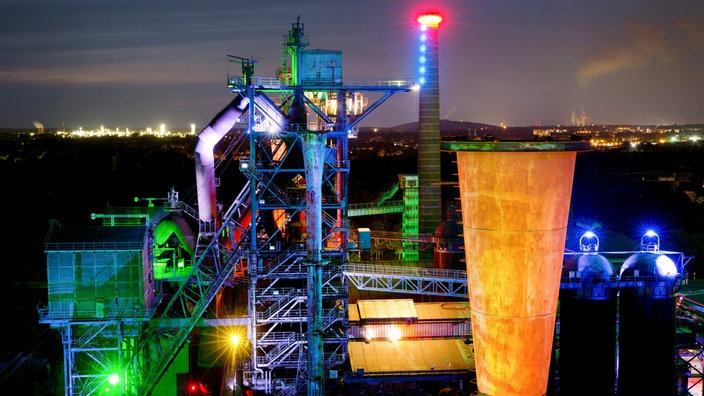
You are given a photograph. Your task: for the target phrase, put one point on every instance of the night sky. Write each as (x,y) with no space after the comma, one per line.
(136,63)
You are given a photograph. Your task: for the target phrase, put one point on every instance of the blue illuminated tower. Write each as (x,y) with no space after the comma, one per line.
(430,209)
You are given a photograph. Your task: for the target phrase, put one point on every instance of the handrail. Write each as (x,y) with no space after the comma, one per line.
(276,83)
(408,272)
(53,246)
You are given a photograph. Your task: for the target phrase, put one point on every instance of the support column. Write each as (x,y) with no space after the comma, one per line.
(515,204)
(313,163)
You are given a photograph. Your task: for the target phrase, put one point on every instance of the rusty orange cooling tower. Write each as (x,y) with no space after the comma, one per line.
(515,203)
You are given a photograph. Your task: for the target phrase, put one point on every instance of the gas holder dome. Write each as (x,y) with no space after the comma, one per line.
(649,262)
(655,266)
(589,267)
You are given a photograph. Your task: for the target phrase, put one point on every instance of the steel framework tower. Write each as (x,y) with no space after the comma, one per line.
(298,128)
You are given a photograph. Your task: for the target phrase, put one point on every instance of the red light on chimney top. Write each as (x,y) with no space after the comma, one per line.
(431,20)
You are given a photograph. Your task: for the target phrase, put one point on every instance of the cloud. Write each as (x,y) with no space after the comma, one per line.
(693,31)
(118,72)
(642,45)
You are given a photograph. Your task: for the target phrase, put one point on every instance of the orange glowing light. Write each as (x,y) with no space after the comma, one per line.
(431,20)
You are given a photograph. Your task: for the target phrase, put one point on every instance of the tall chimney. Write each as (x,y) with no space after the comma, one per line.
(515,203)
(430,205)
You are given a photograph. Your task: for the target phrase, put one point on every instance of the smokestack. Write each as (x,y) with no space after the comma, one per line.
(430,209)
(515,203)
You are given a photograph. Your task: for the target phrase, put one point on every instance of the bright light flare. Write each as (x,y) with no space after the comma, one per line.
(394,334)
(589,242)
(114,379)
(430,20)
(650,242)
(368,334)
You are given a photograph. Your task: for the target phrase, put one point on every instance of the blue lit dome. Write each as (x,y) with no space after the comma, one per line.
(649,262)
(646,264)
(589,266)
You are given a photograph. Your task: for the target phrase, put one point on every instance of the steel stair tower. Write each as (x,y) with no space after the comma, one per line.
(298,125)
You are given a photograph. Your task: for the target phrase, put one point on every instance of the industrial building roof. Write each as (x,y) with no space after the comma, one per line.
(90,237)
(386,309)
(406,309)
(411,356)
(443,311)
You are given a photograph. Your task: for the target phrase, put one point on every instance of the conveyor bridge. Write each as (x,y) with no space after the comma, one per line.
(404,279)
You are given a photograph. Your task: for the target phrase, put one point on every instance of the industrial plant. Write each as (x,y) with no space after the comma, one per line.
(265,287)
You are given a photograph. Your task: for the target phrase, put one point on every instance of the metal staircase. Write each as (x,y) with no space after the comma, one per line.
(157,347)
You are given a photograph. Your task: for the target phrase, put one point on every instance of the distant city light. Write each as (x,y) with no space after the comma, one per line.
(104,131)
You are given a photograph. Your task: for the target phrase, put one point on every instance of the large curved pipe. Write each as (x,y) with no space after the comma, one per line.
(205,160)
(176,225)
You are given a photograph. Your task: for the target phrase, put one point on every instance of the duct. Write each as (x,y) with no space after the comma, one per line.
(205,160)
(176,225)
(274,120)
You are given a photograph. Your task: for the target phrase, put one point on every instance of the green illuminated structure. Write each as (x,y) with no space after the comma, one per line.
(409,223)
(101,289)
(407,206)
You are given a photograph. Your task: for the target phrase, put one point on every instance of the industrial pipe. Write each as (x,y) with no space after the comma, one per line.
(205,159)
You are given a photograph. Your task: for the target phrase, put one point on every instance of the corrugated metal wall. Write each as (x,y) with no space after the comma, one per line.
(410,330)
(96,284)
